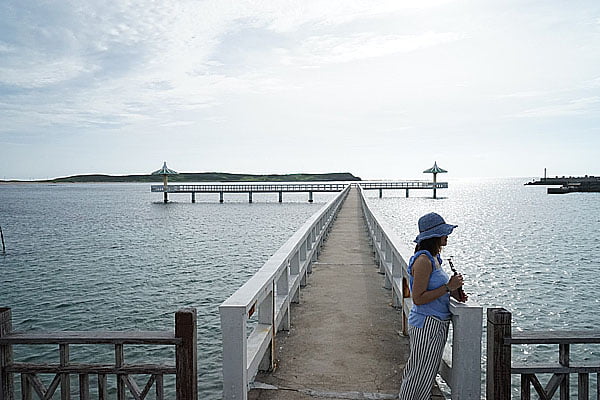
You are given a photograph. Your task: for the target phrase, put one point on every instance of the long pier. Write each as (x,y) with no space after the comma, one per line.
(344,338)
(281,188)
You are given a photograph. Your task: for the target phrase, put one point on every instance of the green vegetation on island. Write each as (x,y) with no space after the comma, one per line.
(202,177)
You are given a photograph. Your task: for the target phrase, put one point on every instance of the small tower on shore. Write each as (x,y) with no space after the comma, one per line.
(434,170)
(165,172)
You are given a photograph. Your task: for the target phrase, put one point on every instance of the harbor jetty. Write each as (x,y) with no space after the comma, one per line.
(569,184)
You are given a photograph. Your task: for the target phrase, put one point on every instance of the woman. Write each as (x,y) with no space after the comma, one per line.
(429,317)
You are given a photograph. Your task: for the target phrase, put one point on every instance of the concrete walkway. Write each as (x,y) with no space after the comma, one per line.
(344,342)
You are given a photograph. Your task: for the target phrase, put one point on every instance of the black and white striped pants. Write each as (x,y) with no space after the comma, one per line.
(426,349)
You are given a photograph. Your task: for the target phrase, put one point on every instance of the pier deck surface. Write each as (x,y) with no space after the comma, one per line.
(344,342)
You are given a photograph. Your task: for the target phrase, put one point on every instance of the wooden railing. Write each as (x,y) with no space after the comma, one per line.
(269,293)
(462,372)
(185,368)
(499,355)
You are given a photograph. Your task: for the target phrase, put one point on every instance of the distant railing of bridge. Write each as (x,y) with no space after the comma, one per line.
(403,185)
(462,372)
(269,294)
(255,188)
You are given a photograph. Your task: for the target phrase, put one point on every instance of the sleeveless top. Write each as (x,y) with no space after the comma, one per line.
(438,308)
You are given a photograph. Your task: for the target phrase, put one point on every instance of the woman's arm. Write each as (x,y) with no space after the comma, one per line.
(421,272)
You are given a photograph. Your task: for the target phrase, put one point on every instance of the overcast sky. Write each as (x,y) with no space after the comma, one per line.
(381,89)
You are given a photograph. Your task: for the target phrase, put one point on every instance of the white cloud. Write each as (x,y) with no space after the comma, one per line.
(335,49)
(573,107)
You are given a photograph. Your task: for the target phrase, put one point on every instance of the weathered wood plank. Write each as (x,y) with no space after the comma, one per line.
(107,369)
(84,387)
(148,386)
(160,388)
(554,337)
(102,387)
(133,387)
(554,368)
(25,387)
(91,337)
(186,354)
(38,386)
(498,354)
(538,387)
(583,386)
(65,379)
(553,383)
(6,355)
(525,387)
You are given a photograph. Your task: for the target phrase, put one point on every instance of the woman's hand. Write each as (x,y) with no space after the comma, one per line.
(455,282)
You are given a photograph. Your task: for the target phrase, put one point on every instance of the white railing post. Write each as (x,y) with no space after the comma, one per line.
(266,316)
(235,353)
(303,270)
(283,292)
(294,274)
(464,376)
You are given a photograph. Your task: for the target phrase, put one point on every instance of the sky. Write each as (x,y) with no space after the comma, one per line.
(381,89)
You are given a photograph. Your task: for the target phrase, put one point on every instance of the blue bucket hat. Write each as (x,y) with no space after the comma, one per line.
(433,225)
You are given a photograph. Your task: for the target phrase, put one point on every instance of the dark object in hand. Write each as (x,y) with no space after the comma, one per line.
(462,296)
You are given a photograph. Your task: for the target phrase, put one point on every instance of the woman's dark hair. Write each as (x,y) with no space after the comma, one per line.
(432,245)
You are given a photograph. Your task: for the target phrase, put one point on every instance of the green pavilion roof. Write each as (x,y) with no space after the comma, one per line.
(434,170)
(165,171)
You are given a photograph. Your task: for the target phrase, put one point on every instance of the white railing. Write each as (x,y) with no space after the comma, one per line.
(462,372)
(254,187)
(403,185)
(269,293)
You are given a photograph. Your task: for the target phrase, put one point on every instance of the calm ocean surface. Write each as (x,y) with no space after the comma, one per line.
(112,256)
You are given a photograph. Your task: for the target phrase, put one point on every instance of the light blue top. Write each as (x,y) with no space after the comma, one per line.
(440,307)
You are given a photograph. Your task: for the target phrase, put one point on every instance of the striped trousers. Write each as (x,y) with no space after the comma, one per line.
(426,349)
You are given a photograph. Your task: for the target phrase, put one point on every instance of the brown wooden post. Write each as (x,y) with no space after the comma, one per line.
(186,355)
(102,387)
(65,379)
(119,361)
(498,354)
(564,359)
(6,356)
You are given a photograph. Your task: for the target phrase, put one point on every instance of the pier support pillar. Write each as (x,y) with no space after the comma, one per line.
(380,193)
(249,197)
(193,197)
(220,197)
(406,192)
(310,197)
(280,197)
(165,185)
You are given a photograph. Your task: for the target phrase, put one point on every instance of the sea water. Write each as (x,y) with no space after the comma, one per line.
(114,257)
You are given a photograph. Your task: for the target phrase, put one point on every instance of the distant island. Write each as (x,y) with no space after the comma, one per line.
(198,177)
